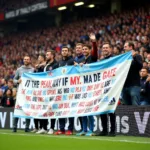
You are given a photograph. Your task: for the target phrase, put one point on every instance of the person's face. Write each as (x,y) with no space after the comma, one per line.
(86,51)
(126,47)
(8,92)
(26,61)
(48,56)
(144,39)
(79,49)
(106,49)
(40,59)
(65,52)
(148,57)
(1,93)
(3,82)
(144,64)
(10,84)
(143,73)
(115,50)
(148,64)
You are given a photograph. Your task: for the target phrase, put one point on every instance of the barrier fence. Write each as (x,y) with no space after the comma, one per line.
(130,120)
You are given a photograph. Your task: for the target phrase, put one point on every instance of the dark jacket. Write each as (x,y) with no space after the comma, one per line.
(7,101)
(133,77)
(147,88)
(40,69)
(79,59)
(144,93)
(107,57)
(90,59)
(51,66)
(68,61)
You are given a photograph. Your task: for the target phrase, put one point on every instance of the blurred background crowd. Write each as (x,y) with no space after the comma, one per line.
(116,28)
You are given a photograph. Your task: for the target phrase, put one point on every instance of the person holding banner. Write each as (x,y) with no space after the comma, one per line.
(40,68)
(90,57)
(107,52)
(77,60)
(66,61)
(51,64)
(26,68)
(131,90)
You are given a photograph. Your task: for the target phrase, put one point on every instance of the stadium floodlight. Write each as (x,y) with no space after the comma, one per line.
(91,6)
(79,4)
(62,8)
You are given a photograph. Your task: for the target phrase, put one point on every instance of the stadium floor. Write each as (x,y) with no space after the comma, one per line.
(31,141)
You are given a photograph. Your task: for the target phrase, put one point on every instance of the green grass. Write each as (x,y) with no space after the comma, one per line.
(31,141)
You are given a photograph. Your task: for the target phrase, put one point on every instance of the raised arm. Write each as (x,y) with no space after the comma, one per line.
(94,45)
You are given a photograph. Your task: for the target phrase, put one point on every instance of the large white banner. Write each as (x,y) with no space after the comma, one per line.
(73,90)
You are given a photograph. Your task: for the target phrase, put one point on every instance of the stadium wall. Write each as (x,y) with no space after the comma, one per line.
(130,120)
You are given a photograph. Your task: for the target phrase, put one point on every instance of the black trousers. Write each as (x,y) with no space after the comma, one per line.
(38,122)
(62,122)
(80,120)
(52,123)
(104,120)
(44,123)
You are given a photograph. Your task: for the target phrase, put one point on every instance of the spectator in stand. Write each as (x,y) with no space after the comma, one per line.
(131,90)
(7,99)
(146,43)
(116,51)
(1,96)
(13,88)
(149,67)
(145,64)
(145,87)
(4,85)
(148,58)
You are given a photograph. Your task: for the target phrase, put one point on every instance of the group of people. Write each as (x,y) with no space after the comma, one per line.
(86,54)
(115,28)
(70,45)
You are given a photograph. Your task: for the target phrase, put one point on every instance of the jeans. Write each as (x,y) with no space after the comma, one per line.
(85,123)
(131,95)
(144,103)
(15,123)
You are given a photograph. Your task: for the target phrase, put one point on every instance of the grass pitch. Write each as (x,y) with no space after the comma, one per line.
(32,141)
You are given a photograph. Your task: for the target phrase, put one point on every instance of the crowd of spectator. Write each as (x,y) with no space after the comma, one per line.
(114,28)
(6,6)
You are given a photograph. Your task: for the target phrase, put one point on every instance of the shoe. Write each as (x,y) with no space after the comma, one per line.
(59,132)
(89,133)
(27,130)
(42,131)
(51,131)
(34,131)
(81,133)
(112,134)
(14,130)
(103,133)
(69,132)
